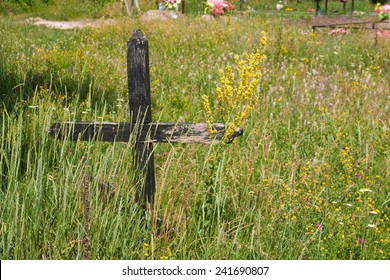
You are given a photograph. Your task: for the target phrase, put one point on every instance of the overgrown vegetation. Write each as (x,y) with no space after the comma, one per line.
(308,180)
(74,9)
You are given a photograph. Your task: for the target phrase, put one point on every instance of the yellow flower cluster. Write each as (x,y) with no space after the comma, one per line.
(146,249)
(236,96)
(347,159)
(210,119)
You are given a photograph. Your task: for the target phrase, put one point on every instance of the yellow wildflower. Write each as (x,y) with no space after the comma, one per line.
(236,96)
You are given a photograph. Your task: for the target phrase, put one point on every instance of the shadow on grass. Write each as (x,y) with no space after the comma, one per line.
(17,88)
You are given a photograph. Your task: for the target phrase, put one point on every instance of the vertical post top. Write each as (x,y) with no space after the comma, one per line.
(138,77)
(137,37)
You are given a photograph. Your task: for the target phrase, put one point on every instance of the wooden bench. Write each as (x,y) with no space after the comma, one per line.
(335,21)
(370,22)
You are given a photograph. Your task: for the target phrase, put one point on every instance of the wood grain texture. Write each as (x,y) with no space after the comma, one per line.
(138,78)
(191,133)
(140,104)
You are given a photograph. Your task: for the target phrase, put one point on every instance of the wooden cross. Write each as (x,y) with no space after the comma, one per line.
(141,127)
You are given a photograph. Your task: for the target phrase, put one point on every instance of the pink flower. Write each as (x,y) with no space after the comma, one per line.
(216,2)
(228,6)
(338,31)
(218,7)
(319,227)
(382,11)
(217,10)
(361,241)
(380,33)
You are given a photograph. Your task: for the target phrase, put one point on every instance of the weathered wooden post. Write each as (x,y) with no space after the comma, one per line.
(242,2)
(344,2)
(318,8)
(141,110)
(141,127)
(352,7)
(326,7)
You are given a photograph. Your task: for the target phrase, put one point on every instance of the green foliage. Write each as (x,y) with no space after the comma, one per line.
(25,5)
(379,1)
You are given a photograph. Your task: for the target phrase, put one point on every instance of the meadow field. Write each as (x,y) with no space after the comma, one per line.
(309,179)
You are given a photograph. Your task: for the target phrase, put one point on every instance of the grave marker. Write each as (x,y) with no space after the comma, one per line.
(145,132)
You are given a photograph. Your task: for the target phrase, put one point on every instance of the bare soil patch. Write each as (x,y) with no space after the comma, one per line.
(69,24)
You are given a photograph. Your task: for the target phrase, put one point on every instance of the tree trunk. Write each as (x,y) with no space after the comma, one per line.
(130,5)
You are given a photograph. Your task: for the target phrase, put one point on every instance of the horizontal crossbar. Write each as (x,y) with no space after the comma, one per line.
(152,132)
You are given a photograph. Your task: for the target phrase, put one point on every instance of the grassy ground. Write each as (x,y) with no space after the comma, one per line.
(308,180)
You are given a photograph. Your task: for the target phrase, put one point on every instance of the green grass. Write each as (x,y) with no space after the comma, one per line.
(315,153)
